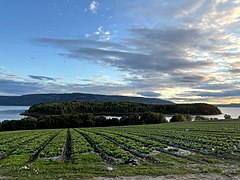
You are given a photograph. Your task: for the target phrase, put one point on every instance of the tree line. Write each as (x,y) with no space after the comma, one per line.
(86,120)
(90,114)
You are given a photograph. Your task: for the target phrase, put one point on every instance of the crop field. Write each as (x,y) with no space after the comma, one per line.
(153,150)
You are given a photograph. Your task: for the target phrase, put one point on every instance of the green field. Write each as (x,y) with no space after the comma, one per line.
(161,149)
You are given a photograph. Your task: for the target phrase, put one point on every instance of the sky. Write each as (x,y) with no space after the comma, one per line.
(184,51)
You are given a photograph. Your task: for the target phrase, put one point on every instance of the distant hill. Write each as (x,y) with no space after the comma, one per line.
(31,99)
(228,105)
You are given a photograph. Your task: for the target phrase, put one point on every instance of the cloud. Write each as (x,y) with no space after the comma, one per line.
(155,50)
(26,86)
(100,80)
(190,78)
(211,94)
(87,35)
(190,45)
(93,6)
(75,44)
(215,86)
(8,76)
(17,87)
(227,93)
(169,57)
(42,78)
(179,99)
(102,34)
(12,84)
(149,94)
(156,58)
(99,30)
(235,70)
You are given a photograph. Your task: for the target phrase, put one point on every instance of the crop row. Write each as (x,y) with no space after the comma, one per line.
(214,142)
(22,140)
(33,144)
(193,146)
(108,147)
(137,145)
(142,146)
(205,143)
(79,143)
(10,137)
(54,148)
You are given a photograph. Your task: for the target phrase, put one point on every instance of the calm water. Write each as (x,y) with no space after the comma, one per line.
(13,112)
(234,112)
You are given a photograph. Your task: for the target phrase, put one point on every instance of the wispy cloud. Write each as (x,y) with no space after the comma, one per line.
(16,87)
(42,78)
(226,93)
(149,94)
(11,84)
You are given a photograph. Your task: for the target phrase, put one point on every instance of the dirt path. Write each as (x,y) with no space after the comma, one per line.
(168,177)
(175,177)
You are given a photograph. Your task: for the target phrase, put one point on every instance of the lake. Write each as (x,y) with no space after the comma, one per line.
(13,112)
(234,112)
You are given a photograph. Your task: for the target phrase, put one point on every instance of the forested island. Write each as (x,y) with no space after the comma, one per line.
(118,108)
(90,114)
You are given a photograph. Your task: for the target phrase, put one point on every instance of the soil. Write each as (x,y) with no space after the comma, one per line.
(175,177)
(205,176)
